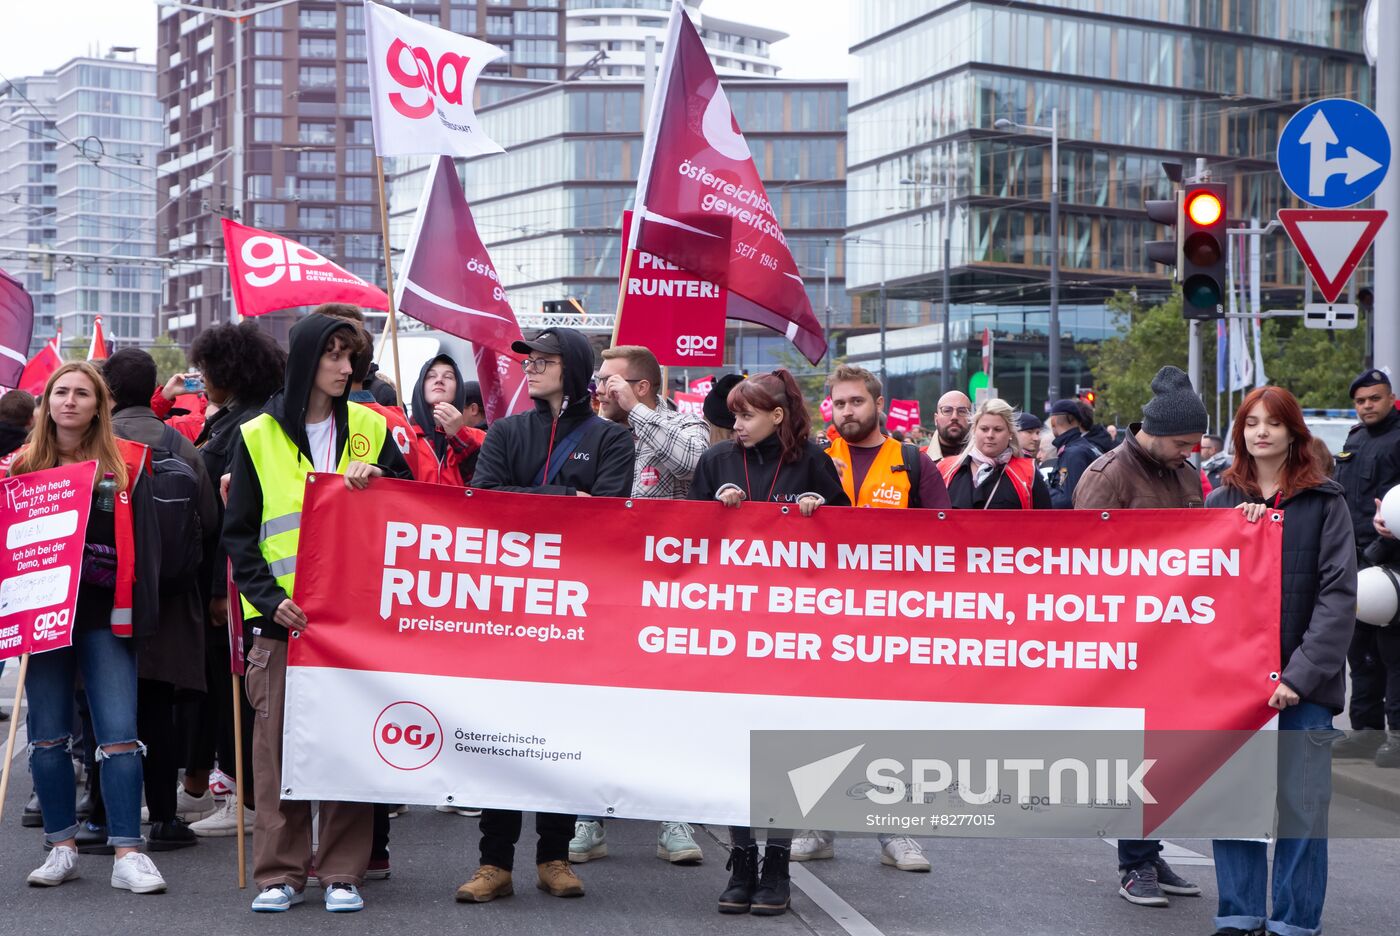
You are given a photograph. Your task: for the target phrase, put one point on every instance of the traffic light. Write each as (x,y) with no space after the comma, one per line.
(1087,395)
(1166,212)
(1203,271)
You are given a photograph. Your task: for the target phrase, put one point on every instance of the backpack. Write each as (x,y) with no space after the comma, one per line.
(175,492)
(913,459)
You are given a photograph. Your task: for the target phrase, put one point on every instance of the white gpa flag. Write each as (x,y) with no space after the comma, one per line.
(421,80)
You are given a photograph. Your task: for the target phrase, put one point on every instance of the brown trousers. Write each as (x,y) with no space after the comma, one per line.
(282,829)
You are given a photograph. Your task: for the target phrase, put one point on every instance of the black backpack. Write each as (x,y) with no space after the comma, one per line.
(913,467)
(175,492)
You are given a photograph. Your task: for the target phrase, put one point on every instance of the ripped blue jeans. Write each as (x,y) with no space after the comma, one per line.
(108,667)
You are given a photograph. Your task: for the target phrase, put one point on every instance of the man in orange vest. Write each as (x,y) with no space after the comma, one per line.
(876,471)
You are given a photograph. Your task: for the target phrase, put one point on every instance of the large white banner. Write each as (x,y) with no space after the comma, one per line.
(421,82)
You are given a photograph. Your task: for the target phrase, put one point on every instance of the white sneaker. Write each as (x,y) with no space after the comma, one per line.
(278,899)
(590,841)
(60,865)
(903,853)
(221,784)
(344,898)
(813,845)
(224,821)
(136,872)
(193,808)
(470,812)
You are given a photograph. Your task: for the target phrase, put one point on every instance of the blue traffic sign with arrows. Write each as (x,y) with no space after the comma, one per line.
(1334,153)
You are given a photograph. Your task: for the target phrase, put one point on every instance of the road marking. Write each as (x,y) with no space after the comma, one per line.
(831,903)
(1177,854)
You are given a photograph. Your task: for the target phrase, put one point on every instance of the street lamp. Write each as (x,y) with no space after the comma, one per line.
(1054,131)
(884,309)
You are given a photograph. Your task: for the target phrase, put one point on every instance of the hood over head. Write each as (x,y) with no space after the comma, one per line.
(423,413)
(306,344)
(577,353)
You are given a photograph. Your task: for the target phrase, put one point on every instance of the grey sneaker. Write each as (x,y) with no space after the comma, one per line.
(277,899)
(1140,886)
(590,841)
(1173,883)
(676,844)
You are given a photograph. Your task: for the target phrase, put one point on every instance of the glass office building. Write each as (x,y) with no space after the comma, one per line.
(1133,83)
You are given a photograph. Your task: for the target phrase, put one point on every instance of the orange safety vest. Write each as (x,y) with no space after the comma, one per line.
(886,484)
(1020,471)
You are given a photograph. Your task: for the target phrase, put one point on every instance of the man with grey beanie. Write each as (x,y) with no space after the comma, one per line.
(1151,470)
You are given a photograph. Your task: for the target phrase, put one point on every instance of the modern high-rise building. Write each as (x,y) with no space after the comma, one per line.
(83,139)
(619,29)
(305,166)
(1130,84)
(550,209)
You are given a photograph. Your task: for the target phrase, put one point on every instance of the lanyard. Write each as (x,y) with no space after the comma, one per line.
(330,447)
(748,491)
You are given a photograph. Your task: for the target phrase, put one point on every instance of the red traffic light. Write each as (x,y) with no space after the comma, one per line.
(1088,396)
(1204,208)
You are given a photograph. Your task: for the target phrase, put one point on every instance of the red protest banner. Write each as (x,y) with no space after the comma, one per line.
(446,609)
(692,403)
(903,415)
(702,385)
(268,272)
(45,516)
(674,313)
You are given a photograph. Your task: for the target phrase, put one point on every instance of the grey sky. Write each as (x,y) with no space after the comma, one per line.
(43,34)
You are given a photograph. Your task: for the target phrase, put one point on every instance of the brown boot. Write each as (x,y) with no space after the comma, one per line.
(559,879)
(486,885)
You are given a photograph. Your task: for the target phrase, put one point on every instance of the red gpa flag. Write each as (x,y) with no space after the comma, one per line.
(422,81)
(449,282)
(703,204)
(903,415)
(41,366)
(44,516)
(97,351)
(270,272)
(669,310)
(702,385)
(16,329)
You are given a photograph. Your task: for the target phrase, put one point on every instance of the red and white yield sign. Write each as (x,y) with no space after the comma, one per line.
(1331,243)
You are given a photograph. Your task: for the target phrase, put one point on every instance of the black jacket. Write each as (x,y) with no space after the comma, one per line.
(243,515)
(11,438)
(1367,467)
(516,447)
(216,443)
(1319,589)
(758,473)
(1077,452)
(1003,493)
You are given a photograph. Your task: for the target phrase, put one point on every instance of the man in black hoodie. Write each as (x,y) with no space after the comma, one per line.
(309,426)
(1079,443)
(560,447)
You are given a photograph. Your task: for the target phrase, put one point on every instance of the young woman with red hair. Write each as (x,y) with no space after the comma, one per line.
(1275,470)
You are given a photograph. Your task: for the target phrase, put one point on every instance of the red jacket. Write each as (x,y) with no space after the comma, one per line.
(449,471)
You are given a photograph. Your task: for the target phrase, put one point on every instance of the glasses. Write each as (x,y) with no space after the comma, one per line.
(598,380)
(537,365)
(954,411)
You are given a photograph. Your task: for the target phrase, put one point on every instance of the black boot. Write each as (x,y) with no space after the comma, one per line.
(1388,754)
(774,891)
(1359,745)
(33,817)
(170,835)
(743,878)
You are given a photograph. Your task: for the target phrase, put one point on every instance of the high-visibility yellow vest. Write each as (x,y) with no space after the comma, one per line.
(282,471)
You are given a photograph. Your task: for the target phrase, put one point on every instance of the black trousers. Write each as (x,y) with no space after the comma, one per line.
(379,846)
(155,725)
(500,830)
(1374,656)
(1134,853)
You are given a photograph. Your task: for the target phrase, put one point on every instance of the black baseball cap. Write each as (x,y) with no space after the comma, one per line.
(546,342)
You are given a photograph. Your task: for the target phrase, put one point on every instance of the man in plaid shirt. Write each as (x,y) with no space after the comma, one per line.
(668,443)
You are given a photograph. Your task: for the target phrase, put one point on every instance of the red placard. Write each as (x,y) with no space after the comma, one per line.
(677,315)
(702,385)
(903,415)
(45,516)
(692,403)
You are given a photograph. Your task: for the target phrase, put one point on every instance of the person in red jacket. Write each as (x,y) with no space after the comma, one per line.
(445,444)
(117,600)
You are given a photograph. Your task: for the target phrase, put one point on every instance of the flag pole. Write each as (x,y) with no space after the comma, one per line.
(9,764)
(658,105)
(389,279)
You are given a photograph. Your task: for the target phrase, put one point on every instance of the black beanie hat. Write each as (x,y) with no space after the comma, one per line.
(1175,408)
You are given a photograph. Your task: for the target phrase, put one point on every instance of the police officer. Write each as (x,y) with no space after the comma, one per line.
(1079,444)
(1368,466)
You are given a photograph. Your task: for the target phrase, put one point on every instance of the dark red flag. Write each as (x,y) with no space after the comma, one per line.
(16,329)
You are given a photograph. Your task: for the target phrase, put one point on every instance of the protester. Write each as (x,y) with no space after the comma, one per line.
(716,408)
(668,444)
(771,445)
(307,428)
(242,368)
(443,439)
(879,472)
(1028,430)
(950,424)
(173,661)
(16,419)
(1150,470)
(1078,443)
(1275,470)
(990,474)
(1367,467)
(166,404)
(1214,459)
(532,453)
(117,603)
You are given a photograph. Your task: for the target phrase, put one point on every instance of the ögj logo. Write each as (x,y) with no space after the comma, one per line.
(692,345)
(426,74)
(278,257)
(407,736)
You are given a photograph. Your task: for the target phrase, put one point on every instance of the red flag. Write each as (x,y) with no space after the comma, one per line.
(16,329)
(703,204)
(36,373)
(269,272)
(97,351)
(448,282)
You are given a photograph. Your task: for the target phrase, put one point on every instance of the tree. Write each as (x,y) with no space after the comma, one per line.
(169,358)
(1316,366)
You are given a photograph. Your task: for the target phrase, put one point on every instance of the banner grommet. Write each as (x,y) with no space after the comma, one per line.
(628,504)
(296,634)
(469,491)
(942,515)
(1276,517)
(1274,677)
(786,510)
(1104,515)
